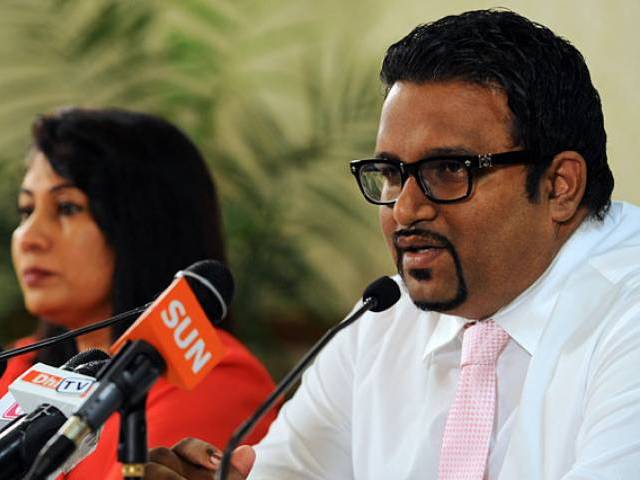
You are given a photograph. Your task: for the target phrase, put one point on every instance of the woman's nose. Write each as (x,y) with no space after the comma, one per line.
(34,233)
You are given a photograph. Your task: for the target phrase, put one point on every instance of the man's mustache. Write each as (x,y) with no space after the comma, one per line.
(432,238)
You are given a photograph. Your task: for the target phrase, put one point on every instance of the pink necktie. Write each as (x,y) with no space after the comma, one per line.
(465,445)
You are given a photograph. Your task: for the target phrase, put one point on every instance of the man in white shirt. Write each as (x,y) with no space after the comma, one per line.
(494,191)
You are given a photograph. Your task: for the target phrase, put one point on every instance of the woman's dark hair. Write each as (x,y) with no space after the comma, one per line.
(554,103)
(150,193)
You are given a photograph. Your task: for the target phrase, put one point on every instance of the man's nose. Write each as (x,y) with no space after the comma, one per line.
(412,205)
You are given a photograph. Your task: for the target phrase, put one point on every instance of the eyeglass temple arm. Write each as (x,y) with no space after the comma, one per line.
(510,158)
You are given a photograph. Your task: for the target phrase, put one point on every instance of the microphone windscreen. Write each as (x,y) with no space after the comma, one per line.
(92,368)
(385,292)
(92,355)
(213,286)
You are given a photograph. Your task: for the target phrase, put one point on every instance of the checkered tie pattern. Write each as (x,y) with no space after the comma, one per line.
(467,433)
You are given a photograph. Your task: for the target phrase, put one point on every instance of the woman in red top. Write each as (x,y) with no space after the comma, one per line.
(113,203)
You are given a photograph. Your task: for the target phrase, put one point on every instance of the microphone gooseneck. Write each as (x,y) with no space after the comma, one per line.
(48,342)
(378,296)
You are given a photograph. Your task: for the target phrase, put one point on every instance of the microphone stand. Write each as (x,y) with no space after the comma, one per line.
(132,446)
(285,384)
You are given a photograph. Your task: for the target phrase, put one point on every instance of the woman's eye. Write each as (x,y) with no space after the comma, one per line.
(69,208)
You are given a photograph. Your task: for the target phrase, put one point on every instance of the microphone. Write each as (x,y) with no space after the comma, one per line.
(174,338)
(84,363)
(10,409)
(377,297)
(21,440)
(66,387)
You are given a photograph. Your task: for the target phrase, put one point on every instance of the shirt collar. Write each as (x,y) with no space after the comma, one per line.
(523,319)
(446,329)
(526,317)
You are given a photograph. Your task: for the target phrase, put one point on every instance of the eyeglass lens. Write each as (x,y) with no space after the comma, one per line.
(443,179)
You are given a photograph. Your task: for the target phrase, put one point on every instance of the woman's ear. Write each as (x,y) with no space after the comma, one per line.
(565,184)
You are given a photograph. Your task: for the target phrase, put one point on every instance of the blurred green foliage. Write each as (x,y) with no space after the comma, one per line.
(276,94)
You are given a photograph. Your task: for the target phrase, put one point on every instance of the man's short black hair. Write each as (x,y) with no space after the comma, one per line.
(554,103)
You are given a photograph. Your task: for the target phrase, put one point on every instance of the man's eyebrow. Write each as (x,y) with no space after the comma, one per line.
(433,152)
(387,156)
(54,189)
(436,152)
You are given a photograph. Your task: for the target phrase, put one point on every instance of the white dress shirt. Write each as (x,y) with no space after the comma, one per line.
(374,404)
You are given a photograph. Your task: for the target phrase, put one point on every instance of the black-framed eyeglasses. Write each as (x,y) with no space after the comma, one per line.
(443,179)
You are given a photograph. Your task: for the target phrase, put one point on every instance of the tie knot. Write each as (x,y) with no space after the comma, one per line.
(482,343)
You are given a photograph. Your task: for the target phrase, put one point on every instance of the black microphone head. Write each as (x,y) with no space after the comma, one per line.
(92,368)
(82,358)
(385,291)
(212,284)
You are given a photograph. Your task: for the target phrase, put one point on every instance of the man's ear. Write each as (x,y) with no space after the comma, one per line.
(565,182)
